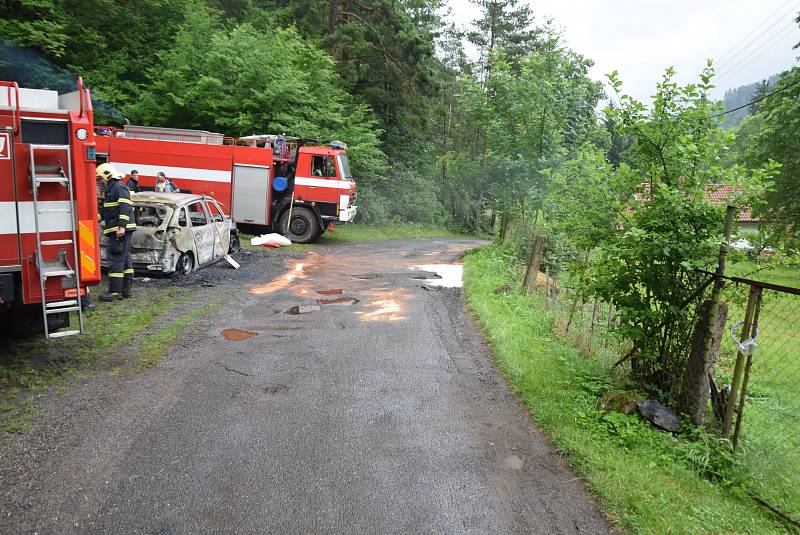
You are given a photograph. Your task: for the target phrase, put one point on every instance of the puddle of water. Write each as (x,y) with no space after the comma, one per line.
(338,301)
(303,309)
(336,291)
(236,335)
(451,275)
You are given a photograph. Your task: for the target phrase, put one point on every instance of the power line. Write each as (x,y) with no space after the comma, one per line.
(759,99)
(754,30)
(746,60)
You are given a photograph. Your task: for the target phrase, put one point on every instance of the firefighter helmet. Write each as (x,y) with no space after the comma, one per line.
(107,171)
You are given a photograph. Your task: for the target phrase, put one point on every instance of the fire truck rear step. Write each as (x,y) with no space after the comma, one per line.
(60,267)
(59,334)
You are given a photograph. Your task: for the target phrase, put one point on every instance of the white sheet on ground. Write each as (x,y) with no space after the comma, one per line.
(273,240)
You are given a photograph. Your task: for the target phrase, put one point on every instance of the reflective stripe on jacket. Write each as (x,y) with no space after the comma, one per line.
(118,208)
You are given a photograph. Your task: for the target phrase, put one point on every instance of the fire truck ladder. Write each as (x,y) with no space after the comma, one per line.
(59,267)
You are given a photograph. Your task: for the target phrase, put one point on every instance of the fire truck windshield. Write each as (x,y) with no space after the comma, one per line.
(344,167)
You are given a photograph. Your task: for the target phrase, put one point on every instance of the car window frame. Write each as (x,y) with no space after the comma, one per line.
(205,213)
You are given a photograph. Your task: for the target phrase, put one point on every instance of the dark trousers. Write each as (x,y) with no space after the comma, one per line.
(120,265)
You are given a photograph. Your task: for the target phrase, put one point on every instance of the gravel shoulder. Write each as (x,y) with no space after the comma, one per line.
(383,415)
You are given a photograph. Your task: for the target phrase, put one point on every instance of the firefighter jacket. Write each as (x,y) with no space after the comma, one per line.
(118,208)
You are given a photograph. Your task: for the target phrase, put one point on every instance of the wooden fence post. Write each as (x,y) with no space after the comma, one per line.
(746,380)
(755,292)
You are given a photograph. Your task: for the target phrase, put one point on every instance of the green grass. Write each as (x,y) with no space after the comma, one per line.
(357,232)
(782,275)
(771,425)
(647,481)
(155,346)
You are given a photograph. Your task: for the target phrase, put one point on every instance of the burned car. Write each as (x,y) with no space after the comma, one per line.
(175,232)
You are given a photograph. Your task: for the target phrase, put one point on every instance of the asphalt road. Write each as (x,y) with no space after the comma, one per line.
(386,415)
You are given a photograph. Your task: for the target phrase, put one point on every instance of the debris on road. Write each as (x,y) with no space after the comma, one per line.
(270,240)
(338,301)
(303,309)
(337,291)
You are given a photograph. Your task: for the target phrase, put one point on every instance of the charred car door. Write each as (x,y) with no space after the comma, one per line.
(223,226)
(202,231)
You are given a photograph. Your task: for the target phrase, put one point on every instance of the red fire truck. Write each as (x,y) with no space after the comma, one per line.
(48,208)
(263,179)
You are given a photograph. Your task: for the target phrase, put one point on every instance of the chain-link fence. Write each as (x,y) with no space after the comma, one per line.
(765,425)
(765,422)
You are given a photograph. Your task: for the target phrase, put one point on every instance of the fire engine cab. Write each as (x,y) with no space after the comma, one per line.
(264,179)
(48,208)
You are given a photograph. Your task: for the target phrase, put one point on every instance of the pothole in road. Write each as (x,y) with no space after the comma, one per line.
(275,388)
(342,301)
(236,335)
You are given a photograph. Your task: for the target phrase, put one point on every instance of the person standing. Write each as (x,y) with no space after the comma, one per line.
(133,181)
(119,225)
(163,184)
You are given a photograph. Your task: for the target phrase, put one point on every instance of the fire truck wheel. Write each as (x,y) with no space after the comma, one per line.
(185,264)
(303,227)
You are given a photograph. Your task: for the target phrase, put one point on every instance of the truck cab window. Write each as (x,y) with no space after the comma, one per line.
(323,166)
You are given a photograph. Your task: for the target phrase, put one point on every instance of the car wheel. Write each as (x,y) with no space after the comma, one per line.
(185,264)
(303,228)
(234,245)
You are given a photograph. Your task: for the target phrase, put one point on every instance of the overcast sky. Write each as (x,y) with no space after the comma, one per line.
(640,38)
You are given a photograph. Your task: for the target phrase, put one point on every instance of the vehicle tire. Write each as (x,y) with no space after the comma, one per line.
(235,245)
(303,227)
(185,264)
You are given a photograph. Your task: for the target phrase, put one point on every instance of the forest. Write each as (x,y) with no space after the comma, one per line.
(437,134)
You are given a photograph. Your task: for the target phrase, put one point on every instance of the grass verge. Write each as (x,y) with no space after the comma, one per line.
(154,347)
(35,365)
(647,481)
(358,232)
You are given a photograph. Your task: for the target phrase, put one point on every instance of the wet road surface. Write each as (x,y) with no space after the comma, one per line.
(344,395)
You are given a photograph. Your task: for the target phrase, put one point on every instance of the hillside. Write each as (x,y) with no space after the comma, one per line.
(739,96)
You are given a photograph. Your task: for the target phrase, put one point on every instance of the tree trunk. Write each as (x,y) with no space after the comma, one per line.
(505,226)
(535,258)
(696,389)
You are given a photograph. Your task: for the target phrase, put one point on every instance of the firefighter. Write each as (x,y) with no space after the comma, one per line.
(119,225)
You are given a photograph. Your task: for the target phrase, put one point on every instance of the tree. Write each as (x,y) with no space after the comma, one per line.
(506,25)
(779,118)
(647,270)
